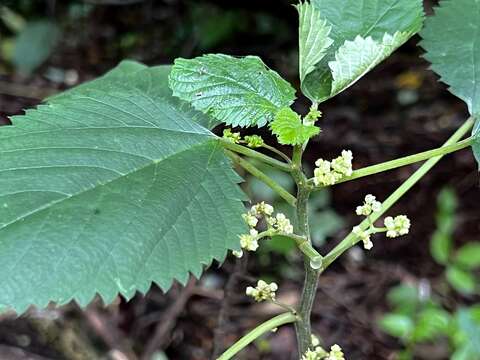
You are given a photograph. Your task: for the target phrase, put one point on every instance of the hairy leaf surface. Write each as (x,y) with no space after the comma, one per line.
(97,196)
(236,91)
(452,40)
(364,18)
(313,38)
(289,128)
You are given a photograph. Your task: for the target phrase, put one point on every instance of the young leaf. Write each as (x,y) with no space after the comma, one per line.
(313,38)
(236,91)
(96,196)
(289,128)
(468,256)
(451,38)
(397,325)
(352,18)
(355,58)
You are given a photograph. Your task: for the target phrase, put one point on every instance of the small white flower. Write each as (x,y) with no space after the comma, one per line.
(283,224)
(250,219)
(364,236)
(370,205)
(335,353)
(400,225)
(237,253)
(262,209)
(263,291)
(330,172)
(248,242)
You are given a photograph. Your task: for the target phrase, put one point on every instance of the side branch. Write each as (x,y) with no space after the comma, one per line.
(403,161)
(269,325)
(352,239)
(284,194)
(254,155)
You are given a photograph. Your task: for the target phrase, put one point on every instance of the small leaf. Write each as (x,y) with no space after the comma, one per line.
(236,91)
(431,323)
(451,37)
(404,298)
(462,281)
(313,38)
(355,58)
(34,45)
(440,247)
(352,18)
(289,128)
(468,256)
(397,325)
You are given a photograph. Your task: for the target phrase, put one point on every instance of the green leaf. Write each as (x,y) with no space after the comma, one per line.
(440,247)
(356,58)
(236,91)
(404,298)
(150,80)
(397,325)
(97,196)
(34,45)
(313,38)
(460,280)
(352,18)
(431,323)
(451,39)
(289,128)
(468,256)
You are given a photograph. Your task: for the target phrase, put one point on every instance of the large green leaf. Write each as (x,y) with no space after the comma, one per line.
(364,18)
(452,40)
(313,38)
(236,91)
(97,196)
(150,80)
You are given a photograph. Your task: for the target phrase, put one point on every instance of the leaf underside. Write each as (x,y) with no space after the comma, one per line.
(97,195)
(313,38)
(352,18)
(236,91)
(290,130)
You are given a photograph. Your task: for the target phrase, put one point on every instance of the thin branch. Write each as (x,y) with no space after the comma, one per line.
(252,169)
(254,155)
(352,239)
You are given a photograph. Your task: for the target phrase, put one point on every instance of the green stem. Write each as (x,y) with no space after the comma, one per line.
(407,160)
(303,326)
(352,239)
(284,194)
(254,154)
(278,152)
(269,325)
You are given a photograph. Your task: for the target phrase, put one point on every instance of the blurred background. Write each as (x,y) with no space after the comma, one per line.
(415,297)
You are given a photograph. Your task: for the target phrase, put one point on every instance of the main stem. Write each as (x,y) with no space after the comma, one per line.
(302,325)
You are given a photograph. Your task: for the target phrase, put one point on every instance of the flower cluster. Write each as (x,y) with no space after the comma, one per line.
(277,224)
(400,225)
(313,115)
(231,136)
(263,291)
(252,141)
(330,172)
(318,353)
(370,205)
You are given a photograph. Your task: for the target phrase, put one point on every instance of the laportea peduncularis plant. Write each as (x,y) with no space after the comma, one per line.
(97,193)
